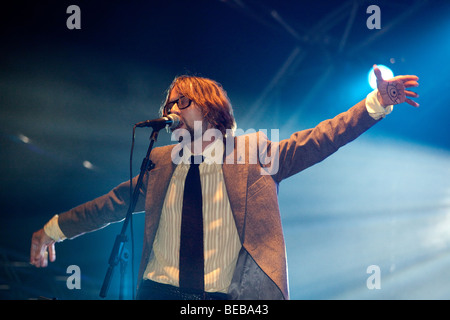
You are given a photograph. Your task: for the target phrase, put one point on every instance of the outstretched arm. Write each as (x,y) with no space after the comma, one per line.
(308,147)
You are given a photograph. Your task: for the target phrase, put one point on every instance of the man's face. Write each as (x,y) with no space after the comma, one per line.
(188,116)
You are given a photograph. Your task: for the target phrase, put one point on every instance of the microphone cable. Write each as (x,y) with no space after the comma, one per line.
(131,217)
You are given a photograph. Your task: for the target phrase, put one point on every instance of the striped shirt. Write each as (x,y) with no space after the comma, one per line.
(221,240)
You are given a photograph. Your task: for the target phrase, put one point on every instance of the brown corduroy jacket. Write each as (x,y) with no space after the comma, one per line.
(252,187)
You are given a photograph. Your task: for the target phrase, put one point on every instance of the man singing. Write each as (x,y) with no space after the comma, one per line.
(212,225)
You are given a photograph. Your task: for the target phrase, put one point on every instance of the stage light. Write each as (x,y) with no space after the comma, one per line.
(24,138)
(88,165)
(385,72)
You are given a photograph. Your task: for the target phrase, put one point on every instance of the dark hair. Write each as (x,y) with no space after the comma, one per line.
(209,96)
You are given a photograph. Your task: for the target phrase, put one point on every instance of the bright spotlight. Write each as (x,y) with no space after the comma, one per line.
(385,72)
(24,138)
(88,165)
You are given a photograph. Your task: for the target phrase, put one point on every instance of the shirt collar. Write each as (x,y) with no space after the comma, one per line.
(213,153)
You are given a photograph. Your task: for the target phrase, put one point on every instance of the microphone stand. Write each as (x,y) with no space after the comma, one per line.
(121,238)
(123,266)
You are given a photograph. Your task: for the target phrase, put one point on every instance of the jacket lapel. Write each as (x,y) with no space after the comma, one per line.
(158,182)
(235,174)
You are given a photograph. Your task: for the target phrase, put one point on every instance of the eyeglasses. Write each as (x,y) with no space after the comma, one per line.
(182,103)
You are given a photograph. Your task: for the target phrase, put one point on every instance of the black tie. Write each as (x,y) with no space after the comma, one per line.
(191,238)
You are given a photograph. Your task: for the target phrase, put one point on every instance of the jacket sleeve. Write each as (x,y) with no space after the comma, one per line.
(308,147)
(98,213)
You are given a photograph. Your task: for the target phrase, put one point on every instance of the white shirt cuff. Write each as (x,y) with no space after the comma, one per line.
(375,109)
(52,229)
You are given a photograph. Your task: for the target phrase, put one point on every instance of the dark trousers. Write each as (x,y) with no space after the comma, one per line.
(151,290)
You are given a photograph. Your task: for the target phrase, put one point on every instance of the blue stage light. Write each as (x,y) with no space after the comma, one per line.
(385,72)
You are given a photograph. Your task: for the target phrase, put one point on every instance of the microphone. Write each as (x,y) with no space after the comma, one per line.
(172,120)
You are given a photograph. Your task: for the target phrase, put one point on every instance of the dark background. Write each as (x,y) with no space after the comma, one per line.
(70,96)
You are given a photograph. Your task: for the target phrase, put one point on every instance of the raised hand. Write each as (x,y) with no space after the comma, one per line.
(393,91)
